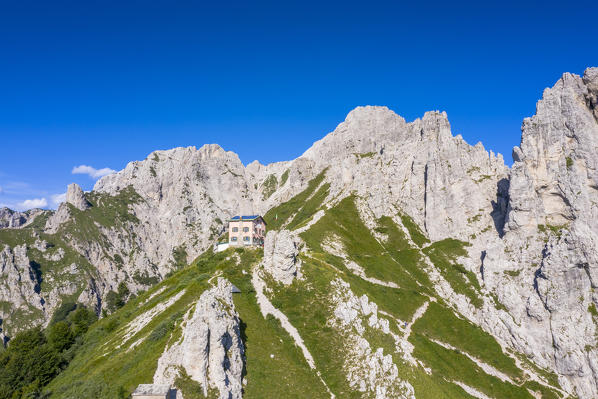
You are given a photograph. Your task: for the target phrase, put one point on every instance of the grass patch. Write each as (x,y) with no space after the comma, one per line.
(550,377)
(513,273)
(365,155)
(310,207)
(190,388)
(555,230)
(179,256)
(453,365)
(106,210)
(399,302)
(415,232)
(482,178)
(400,250)
(361,247)
(277,216)
(269,186)
(396,238)
(272,355)
(145,278)
(307,307)
(545,392)
(443,254)
(440,323)
(284,178)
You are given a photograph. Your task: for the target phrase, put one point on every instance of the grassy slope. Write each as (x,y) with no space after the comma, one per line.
(102,365)
(395,259)
(108,371)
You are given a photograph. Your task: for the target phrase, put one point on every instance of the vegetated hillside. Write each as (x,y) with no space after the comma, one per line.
(401,262)
(123,349)
(364,306)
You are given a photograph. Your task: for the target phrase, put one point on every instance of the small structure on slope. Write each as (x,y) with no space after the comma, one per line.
(246,230)
(153,391)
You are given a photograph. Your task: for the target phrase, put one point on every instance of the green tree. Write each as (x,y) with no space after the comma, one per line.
(60,336)
(81,319)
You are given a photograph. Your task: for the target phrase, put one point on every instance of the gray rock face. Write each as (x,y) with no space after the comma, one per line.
(59,217)
(280,255)
(19,279)
(211,351)
(556,168)
(419,167)
(20,288)
(10,219)
(187,195)
(76,197)
(554,208)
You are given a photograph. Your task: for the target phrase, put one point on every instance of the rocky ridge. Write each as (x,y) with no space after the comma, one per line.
(10,219)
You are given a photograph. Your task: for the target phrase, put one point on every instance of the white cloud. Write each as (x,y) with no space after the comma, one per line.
(32,203)
(1,190)
(58,198)
(92,172)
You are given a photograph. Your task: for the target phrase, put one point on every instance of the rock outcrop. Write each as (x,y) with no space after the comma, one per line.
(19,279)
(10,219)
(368,369)
(280,255)
(211,351)
(25,303)
(418,167)
(76,197)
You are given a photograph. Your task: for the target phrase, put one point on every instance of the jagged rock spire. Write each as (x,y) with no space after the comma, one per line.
(76,197)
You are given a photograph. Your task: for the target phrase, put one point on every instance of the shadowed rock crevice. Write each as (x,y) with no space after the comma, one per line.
(500,206)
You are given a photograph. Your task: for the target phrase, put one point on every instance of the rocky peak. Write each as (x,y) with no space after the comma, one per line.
(365,130)
(76,197)
(372,119)
(208,151)
(434,126)
(255,167)
(555,166)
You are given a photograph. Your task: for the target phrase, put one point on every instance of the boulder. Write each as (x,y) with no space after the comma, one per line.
(280,255)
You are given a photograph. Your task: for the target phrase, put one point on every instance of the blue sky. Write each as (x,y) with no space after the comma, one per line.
(102,83)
